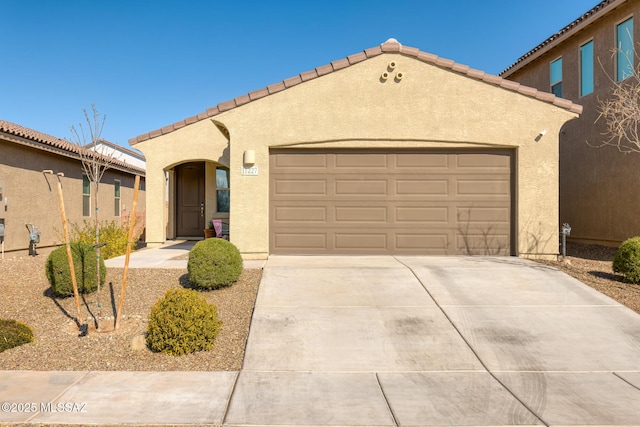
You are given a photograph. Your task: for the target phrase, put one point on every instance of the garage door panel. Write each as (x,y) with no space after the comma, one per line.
(483,187)
(483,244)
(299,161)
(422,187)
(426,243)
(360,161)
(360,187)
(301,186)
(298,239)
(418,215)
(476,214)
(317,214)
(484,161)
(360,241)
(354,214)
(420,202)
(418,161)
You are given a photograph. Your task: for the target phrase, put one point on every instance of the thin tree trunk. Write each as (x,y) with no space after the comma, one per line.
(97,229)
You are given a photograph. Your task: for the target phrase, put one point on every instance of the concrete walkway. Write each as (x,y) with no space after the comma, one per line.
(385,341)
(173,254)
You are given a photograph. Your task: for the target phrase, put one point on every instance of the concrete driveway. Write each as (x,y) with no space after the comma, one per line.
(435,341)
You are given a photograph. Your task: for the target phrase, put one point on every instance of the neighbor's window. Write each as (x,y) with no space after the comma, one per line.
(556,77)
(624,49)
(586,68)
(222,190)
(86,196)
(116,197)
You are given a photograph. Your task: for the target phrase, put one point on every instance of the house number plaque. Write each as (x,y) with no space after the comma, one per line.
(250,171)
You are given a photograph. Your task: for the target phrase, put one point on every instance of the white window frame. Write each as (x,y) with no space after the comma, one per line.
(227,189)
(560,82)
(593,67)
(633,50)
(117,194)
(86,197)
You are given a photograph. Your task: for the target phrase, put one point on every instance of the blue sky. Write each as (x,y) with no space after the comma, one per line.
(147,64)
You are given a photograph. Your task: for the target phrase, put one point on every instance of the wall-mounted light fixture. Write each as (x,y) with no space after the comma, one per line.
(249,157)
(542,133)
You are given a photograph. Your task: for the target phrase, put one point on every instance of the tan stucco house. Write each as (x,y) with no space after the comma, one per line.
(599,187)
(388,151)
(29,197)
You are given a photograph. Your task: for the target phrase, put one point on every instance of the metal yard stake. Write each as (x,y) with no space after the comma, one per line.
(72,269)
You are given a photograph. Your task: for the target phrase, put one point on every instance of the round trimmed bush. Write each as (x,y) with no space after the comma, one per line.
(182,322)
(84,263)
(213,264)
(627,260)
(13,334)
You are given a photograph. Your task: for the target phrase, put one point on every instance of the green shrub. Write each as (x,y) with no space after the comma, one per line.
(13,334)
(627,260)
(112,233)
(84,263)
(182,322)
(214,263)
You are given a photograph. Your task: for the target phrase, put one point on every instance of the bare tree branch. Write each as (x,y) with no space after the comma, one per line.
(621,111)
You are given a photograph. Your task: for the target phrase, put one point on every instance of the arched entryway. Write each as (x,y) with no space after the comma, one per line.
(200,194)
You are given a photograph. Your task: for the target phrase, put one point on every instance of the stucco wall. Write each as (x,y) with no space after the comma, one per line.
(430,107)
(599,187)
(33,196)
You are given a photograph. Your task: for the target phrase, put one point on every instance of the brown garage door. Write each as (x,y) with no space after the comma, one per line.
(390,202)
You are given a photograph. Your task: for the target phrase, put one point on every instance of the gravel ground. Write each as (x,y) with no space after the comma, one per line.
(26,297)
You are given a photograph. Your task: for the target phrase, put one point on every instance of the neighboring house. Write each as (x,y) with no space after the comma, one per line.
(388,151)
(125,155)
(599,191)
(28,196)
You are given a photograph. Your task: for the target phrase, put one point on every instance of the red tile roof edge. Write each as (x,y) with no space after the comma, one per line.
(583,20)
(390,45)
(61,146)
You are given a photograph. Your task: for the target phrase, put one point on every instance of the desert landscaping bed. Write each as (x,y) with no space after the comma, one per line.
(25,296)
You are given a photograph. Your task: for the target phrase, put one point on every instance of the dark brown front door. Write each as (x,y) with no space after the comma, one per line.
(190,200)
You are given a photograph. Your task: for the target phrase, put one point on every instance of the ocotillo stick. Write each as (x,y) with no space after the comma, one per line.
(132,220)
(72,269)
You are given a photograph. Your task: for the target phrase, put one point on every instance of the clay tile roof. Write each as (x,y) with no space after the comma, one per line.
(324,69)
(52,144)
(585,19)
(390,45)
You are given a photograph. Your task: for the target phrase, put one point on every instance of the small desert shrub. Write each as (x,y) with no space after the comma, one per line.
(112,233)
(627,260)
(182,322)
(13,334)
(214,263)
(84,263)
